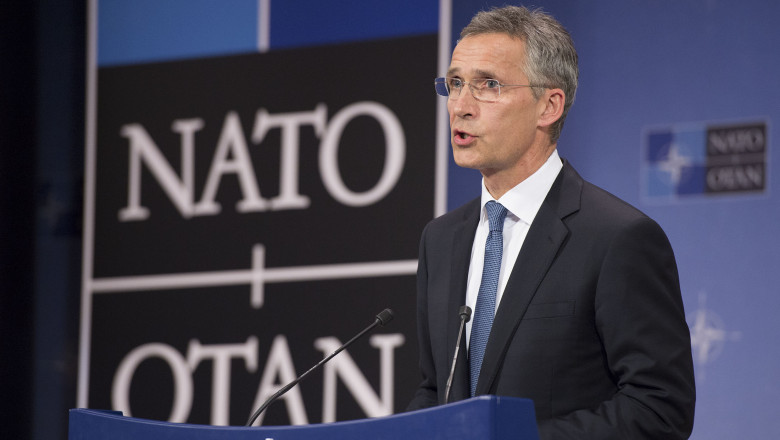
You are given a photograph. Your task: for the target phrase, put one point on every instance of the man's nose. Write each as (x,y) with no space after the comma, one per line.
(464,104)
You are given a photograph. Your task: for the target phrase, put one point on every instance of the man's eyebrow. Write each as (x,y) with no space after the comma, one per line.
(479,73)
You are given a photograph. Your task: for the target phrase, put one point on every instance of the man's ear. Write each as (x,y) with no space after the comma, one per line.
(552,106)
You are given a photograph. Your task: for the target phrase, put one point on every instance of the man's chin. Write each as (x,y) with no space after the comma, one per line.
(465,160)
(467,164)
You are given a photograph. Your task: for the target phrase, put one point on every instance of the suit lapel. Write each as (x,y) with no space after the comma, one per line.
(545,237)
(462,242)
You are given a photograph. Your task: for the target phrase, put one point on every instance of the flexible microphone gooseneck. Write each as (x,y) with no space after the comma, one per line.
(465,316)
(382,318)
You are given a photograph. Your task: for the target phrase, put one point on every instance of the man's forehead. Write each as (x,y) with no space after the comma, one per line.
(491,41)
(487,55)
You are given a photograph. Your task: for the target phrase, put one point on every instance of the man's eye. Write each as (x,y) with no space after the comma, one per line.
(492,83)
(456,83)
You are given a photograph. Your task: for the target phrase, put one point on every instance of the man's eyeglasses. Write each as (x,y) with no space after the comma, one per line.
(482,89)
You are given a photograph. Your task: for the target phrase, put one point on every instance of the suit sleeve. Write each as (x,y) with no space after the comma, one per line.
(426,394)
(646,342)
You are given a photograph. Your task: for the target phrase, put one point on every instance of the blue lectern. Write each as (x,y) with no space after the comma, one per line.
(486,418)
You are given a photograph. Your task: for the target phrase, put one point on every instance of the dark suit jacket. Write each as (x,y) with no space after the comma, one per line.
(590,327)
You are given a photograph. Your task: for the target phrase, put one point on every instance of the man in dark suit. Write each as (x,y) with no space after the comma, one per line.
(578,306)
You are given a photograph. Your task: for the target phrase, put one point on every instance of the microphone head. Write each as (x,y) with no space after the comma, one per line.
(385,316)
(465,313)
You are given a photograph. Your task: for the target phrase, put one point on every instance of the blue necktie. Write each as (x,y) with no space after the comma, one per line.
(486,298)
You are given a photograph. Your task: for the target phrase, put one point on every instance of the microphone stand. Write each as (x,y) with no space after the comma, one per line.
(382,318)
(465,316)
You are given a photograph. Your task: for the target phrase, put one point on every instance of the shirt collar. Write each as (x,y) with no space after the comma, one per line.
(524,200)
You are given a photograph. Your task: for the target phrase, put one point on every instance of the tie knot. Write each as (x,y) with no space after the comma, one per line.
(496,213)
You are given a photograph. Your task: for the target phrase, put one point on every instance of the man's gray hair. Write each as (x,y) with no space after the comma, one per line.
(551,60)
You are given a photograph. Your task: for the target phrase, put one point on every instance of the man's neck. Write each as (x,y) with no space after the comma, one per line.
(501,181)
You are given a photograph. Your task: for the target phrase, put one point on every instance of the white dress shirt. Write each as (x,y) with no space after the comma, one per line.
(522,203)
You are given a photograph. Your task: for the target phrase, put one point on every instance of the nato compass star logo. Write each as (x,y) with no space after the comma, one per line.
(708,334)
(675,163)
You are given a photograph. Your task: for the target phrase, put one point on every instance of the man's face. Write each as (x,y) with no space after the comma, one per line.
(493,137)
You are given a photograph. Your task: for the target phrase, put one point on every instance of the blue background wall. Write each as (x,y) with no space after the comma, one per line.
(644,65)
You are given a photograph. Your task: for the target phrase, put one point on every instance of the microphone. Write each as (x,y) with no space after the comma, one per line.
(382,318)
(465,316)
